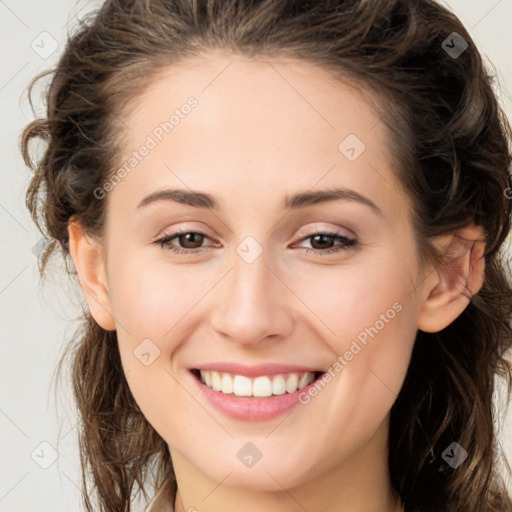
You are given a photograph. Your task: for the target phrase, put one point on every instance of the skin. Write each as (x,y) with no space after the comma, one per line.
(252,141)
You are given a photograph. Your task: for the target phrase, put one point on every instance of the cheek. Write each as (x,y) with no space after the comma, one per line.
(361,300)
(368,318)
(150,297)
(151,303)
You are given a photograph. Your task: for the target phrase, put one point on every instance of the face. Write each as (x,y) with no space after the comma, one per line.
(268,279)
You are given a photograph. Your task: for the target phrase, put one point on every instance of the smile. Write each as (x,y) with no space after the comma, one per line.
(260,387)
(258,397)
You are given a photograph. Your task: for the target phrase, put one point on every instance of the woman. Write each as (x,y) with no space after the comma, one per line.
(287,221)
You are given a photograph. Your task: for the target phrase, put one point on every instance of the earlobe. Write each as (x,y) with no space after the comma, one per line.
(455,280)
(87,258)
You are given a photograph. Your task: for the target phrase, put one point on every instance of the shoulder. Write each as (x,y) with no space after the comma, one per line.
(163,500)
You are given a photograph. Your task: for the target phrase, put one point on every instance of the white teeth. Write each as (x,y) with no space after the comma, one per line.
(261,387)
(227,384)
(216,382)
(278,385)
(302,381)
(292,383)
(242,386)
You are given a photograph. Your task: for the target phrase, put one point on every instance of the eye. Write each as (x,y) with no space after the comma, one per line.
(191,241)
(322,242)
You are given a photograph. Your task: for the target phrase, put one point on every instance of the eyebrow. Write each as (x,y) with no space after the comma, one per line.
(294,202)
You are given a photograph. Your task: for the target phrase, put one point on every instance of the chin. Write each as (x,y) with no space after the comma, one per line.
(269,476)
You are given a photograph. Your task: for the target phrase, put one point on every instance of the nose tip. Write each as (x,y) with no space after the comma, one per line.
(252,304)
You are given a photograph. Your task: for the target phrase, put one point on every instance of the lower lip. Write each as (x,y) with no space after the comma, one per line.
(252,409)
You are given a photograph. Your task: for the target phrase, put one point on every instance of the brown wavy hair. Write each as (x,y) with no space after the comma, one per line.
(450,140)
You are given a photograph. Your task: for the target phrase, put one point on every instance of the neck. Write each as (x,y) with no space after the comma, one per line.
(361,482)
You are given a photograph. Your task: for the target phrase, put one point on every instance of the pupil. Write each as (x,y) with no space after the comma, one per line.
(184,237)
(324,237)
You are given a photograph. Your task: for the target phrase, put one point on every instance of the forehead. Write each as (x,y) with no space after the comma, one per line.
(252,123)
(278,93)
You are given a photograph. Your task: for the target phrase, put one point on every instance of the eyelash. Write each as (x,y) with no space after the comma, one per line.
(346,243)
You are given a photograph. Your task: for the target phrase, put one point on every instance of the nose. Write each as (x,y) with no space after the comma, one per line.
(253,304)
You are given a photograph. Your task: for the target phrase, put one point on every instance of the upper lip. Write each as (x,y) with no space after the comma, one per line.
(255,370)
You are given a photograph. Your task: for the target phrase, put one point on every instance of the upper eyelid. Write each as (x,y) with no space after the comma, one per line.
(303,232)
(302,236)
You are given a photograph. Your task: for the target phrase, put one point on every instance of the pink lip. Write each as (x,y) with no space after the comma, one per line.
(251,408)
(255,370)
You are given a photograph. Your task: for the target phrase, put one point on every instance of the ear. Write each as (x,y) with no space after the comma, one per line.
(455,280)
(87,258)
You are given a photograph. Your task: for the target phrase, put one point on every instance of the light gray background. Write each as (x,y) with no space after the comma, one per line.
(34,321)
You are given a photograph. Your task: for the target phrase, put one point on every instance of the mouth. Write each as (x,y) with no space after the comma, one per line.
(260,387)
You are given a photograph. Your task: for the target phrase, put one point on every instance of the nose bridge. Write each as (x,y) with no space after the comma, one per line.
(252,304)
